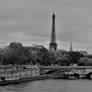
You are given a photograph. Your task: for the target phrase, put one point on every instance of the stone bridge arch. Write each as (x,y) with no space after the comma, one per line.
(54,71)
(50,71)
(89,75)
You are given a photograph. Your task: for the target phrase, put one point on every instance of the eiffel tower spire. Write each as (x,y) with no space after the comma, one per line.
(53,44)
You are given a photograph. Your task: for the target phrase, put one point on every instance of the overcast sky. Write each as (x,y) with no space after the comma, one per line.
(29,22)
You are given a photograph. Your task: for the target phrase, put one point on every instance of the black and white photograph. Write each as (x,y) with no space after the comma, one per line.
(45,46)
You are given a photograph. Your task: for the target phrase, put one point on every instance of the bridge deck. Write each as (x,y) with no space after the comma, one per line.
(66,67)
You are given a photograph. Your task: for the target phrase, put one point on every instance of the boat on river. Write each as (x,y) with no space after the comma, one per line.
(70,75)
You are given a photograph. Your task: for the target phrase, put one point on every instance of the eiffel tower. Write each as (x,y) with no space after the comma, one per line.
(53,44)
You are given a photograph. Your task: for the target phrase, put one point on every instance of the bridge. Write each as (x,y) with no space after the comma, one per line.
(66,67)
(81,70)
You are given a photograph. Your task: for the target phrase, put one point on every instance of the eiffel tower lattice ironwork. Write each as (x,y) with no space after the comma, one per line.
(53,44)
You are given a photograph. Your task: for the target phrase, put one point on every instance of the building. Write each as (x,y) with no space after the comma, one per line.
(84,53)
(34,49)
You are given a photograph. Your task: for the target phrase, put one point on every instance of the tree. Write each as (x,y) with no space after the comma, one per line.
(74,56)
(85,61)
(43,57)
(6,55)
(18,55)
(30,58)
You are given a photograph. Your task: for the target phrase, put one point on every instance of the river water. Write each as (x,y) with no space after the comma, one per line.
(50,86)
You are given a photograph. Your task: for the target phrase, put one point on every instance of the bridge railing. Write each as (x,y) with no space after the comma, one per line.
(65,67)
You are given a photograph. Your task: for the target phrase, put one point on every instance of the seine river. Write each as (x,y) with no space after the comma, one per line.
(50,86)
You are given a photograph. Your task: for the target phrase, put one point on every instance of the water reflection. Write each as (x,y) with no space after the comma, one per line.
(50,86)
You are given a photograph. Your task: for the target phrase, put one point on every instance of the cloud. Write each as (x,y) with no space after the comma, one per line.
(25,39)
(29,21)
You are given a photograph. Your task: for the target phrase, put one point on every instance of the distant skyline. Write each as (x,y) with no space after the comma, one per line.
(29,22)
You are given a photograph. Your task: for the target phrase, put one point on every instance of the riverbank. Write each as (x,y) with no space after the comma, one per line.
(26,79)
(35,78)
